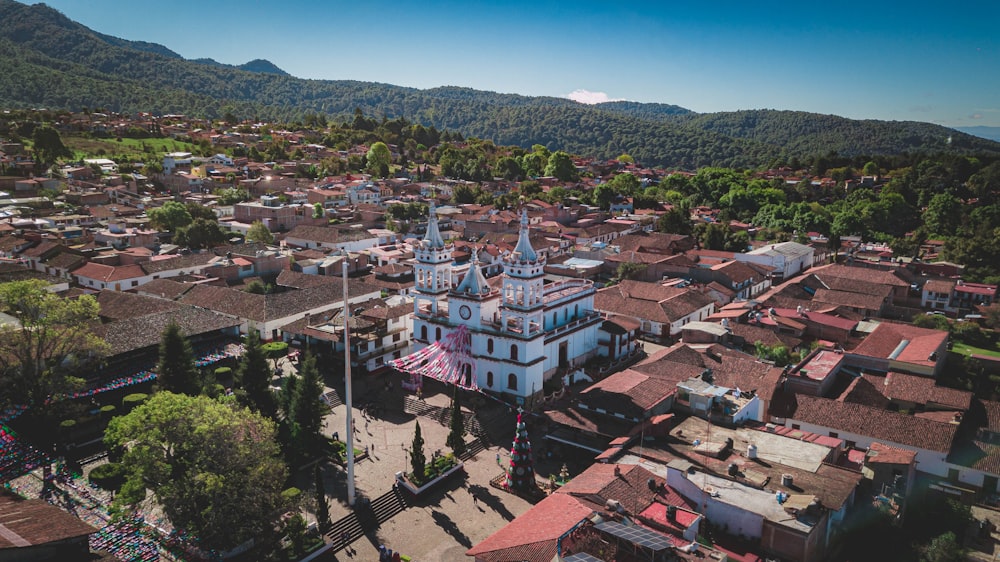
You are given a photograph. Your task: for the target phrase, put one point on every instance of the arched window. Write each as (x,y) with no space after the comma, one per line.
(512,381)
(437,334)
(489,346)
(489,379)
(513,351)
(423,333)
(555,319)
(466,375)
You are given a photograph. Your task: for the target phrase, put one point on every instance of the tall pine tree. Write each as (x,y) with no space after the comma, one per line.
(418,461)
(307,405)
(254,378)
(322,509)
(176,369)
(456,438)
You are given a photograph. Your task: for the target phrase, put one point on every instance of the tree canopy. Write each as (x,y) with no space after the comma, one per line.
(42,353)
(214,468)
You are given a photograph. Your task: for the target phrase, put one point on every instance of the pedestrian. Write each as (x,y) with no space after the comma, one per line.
(498,459)
(366,449)
(344,536)
(475,499)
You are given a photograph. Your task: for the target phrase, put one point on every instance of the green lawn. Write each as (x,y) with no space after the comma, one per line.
(967,350)
(138,150)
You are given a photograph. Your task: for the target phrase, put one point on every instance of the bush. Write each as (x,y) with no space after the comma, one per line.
(132,400)
(109,476)
(67,424)
(108,410)
(292,495)
(223,372)
(275,349)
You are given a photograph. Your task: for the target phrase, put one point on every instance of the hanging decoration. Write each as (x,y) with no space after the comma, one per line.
(448,360)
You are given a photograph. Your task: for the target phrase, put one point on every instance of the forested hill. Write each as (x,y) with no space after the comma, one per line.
(48,60)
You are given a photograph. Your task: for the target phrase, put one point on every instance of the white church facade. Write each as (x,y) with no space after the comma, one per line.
(521,333)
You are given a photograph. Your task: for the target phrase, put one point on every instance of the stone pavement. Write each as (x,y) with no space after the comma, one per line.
(442,525)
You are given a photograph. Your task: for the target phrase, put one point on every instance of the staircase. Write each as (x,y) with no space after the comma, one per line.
(367,517)
(472,448)
(332,399)
(443,416)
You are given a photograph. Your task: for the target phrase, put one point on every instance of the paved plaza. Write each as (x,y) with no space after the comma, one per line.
(453,517)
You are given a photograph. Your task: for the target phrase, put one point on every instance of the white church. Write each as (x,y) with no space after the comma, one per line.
(520,334)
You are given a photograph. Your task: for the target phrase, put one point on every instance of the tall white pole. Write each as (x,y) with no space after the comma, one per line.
(347,391)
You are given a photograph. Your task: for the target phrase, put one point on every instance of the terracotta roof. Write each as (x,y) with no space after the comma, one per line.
(881,425)
(880,453)
(888,339)
(628,392)
(866,274)
(534,533)
(109,273)
(119,305)
(163,288)
(863,391)
(35,522)
(924,390)
(849,299)
(130,334)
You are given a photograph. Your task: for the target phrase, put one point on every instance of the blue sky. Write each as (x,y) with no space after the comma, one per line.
(923,61)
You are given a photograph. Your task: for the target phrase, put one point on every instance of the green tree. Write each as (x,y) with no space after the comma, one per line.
(932,321)
(200,234)
(944,548)
(677,220)
(51,339)
(253,378)
(176,370)
(322,508)
(214,468)
(629,270)
(171,216)
(318,211)
(48,146)
(943,215)
(560,166)
(258,232)
(307,405)
(418,461)
(378,159)
(456,437)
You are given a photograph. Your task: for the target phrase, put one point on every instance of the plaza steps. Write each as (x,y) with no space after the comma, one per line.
(332,399)
(367,517)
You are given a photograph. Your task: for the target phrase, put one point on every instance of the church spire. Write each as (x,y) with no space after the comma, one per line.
(433,237)
(474,283)
(523,251)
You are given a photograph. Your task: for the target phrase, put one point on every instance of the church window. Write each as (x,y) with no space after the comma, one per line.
(512,381)
(437,334)
(423,333)
(489,379)
(513,351)
(489,346)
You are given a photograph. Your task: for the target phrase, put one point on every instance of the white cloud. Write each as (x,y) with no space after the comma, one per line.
(590,98)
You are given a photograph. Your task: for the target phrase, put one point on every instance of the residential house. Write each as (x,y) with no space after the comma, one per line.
(661,311)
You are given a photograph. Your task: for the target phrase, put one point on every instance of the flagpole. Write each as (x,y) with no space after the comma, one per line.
(347,390)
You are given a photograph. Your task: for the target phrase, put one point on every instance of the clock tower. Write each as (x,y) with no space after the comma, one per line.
(471,299)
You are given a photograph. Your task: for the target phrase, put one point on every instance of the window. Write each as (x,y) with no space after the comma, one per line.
(513,351)
(512,381)
(489,346)
(834,434)
(489,379)
(423,333)
(437,334)
(395,337)
(795,426)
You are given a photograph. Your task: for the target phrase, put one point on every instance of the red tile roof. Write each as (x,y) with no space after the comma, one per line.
(887,337)
(881,425)
(537,530)
(887,454)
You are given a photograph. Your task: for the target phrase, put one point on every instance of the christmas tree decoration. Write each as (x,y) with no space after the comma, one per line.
(520,471)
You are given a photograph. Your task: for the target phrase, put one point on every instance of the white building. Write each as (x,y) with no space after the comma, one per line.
(522,334)
(787,258)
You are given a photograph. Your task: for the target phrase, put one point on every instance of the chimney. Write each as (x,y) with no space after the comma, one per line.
(672,513)
(786,480)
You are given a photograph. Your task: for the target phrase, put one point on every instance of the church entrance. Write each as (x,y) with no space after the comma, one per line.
(564,354)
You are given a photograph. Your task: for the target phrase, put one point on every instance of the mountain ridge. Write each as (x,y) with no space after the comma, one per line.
(80,67)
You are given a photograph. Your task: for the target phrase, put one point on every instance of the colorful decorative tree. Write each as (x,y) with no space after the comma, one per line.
(520,472)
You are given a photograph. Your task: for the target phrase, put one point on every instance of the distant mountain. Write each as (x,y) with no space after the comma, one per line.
(48,60)
(981,131)
(262,65)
